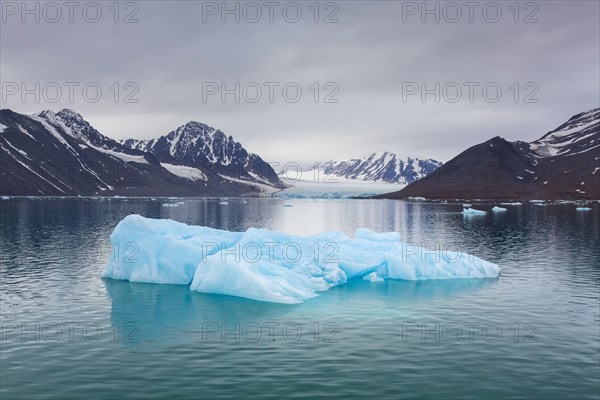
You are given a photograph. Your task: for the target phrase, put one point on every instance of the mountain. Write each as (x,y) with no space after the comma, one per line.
(200,146)
(61,154)
(562,164)
(385,167)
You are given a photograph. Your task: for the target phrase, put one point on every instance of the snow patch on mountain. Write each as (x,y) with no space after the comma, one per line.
(190,173)
(123,156)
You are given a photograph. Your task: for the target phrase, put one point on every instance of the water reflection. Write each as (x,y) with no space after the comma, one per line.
(549,255)
(168,314)
(393,291)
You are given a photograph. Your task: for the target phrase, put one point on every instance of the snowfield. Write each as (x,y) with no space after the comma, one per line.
(190,173)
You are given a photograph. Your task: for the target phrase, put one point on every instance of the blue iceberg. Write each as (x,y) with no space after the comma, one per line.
(272,266)
(471,211)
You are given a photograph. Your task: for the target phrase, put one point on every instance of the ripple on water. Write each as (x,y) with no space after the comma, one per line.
(363,339)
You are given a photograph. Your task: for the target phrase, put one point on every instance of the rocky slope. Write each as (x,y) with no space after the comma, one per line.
(385,167)
(200,146)
(562,164)
(61,154)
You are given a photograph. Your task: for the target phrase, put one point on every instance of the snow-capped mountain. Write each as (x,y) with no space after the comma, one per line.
(385,167)
(75,126)
(200,146)
(581,133)
(562,164)
(52,154)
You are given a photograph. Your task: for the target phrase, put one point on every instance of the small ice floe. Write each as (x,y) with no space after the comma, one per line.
(223,202)
(498,209)
(173,204)
(373,277)
(288,205)
(467,210)
(583,209)
(5,197)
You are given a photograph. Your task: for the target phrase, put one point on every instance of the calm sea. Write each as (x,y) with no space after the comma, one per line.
(533,333)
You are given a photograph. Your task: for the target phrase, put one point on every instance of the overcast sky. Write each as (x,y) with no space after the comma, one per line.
(373,61)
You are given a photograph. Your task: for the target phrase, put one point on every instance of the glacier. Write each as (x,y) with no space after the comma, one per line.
(271,266)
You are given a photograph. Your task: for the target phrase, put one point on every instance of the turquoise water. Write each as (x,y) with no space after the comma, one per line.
(533,333)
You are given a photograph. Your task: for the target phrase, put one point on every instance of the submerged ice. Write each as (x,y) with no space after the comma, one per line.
(271,266)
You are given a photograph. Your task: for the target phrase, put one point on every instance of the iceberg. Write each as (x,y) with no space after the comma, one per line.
(173,204)
(498,209)
(266,265)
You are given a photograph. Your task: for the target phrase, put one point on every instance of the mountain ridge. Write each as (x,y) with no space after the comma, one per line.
(379,167)
(61,154)
(564,163)
(198,145)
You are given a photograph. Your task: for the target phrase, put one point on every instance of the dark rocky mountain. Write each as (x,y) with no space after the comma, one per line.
(385,167)
(562,164)
(61,154)
(200,146)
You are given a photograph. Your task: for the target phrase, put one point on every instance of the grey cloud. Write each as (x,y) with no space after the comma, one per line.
(369,54)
